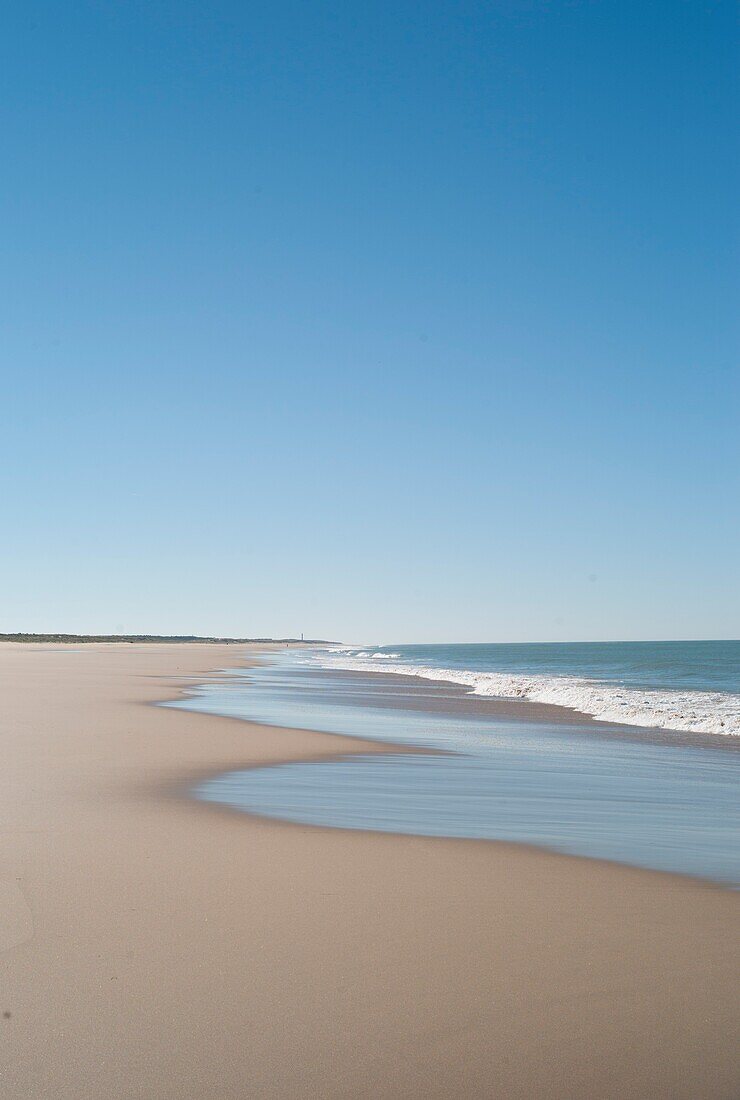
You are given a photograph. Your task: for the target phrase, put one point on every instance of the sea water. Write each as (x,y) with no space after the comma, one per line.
(612,791)
(688,686)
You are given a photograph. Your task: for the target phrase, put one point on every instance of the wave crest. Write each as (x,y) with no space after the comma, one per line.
(687,711)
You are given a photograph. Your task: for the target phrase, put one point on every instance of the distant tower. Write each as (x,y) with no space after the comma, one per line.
(301,635)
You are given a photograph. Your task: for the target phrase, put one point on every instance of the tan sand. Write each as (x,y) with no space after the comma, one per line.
(151,947)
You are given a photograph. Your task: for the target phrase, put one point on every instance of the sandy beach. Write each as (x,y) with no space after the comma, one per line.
(153,947)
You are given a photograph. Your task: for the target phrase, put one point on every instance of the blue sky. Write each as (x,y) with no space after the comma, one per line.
(380,322)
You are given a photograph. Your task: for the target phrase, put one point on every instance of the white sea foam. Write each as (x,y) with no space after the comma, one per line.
(689,711)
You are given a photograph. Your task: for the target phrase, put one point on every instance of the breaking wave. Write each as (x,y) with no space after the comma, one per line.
(688,711)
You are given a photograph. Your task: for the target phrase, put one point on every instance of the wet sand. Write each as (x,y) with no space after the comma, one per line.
(151,946)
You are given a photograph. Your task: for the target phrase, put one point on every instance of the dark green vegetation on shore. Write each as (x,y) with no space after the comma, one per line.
(152,638)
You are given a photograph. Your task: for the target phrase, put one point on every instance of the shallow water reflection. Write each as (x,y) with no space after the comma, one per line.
(666,807)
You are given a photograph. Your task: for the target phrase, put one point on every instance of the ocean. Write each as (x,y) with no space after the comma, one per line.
(630,788)
(688,686)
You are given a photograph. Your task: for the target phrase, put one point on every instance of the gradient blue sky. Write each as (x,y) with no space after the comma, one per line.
(383,322)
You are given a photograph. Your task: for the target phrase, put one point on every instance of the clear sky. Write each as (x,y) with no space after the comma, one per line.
(379,321)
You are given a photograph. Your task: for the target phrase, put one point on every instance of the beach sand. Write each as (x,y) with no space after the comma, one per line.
(154,947)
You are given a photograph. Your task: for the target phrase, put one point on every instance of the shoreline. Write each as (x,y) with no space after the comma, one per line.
(360,746)
(175,951)
(538,709)
(526,710)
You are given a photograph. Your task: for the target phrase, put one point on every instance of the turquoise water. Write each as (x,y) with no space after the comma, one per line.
(693,687)
(612,792)
(694,666)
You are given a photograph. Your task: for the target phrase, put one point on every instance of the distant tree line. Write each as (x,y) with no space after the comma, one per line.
(151,638)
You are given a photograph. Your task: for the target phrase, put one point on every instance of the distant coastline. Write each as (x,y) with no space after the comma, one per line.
(158,638)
